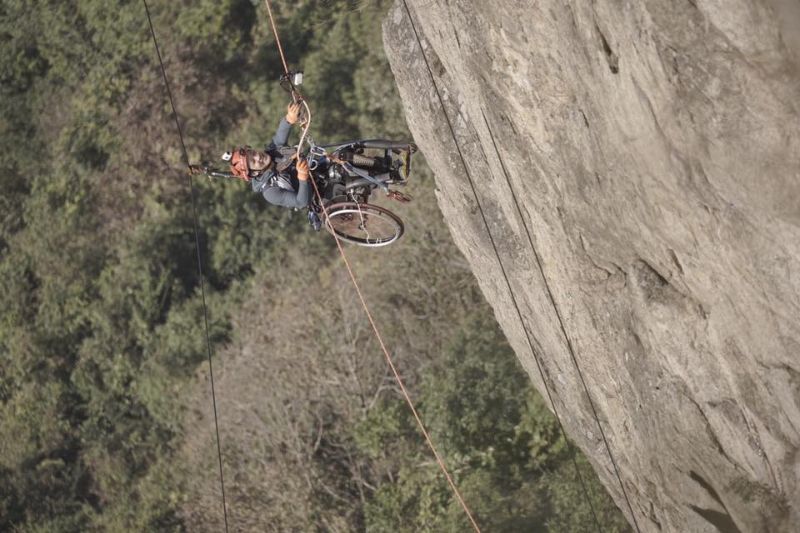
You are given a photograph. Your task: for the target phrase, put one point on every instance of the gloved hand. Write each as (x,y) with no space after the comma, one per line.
(302,170)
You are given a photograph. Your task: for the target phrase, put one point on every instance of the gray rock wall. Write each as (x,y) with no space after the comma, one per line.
(654,150)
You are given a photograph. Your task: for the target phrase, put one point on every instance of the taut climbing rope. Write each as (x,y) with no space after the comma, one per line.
(514,300)
(389,360)
(199,260)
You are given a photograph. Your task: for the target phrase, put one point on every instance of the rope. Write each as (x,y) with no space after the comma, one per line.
(199,260)
(505,276)
(296,96)
(277,40)
(397,377)
(374,326)
(305,129)
(511,292)
(561,323)
(536,358)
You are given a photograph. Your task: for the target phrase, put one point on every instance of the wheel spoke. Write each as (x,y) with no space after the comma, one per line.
(363,224)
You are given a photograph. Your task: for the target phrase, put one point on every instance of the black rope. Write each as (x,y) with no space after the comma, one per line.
(538,364)
(560,320)
(199,261)
(513,298)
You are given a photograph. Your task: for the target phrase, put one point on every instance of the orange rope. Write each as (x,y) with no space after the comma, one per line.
(397,377)
(394,369)
(277,40)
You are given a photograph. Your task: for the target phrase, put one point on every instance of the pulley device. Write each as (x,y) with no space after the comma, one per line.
(290,81)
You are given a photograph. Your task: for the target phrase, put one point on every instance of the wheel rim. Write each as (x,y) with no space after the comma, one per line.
(363,224)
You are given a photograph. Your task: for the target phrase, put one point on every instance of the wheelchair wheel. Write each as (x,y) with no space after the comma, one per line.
(363,224)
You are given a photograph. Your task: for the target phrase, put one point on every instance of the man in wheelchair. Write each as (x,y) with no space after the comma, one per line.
(274,172)
(345,173)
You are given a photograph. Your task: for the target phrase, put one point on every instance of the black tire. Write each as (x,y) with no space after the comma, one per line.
(363,224)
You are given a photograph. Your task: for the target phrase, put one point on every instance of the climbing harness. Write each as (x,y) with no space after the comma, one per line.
(280,181)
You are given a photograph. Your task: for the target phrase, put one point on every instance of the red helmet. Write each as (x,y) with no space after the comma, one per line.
(238,160)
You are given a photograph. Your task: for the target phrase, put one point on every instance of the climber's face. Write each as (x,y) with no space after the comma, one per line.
(258,160)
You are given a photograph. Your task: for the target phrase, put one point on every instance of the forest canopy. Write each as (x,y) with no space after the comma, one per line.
(105,413)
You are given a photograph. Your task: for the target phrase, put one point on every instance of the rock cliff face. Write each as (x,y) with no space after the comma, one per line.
(653,148)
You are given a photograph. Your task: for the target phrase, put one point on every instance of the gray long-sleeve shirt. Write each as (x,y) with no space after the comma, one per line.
(267,183)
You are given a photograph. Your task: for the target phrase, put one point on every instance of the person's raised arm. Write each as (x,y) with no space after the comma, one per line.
(285,127)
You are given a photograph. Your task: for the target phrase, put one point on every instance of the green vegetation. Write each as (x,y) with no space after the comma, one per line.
(104,409)
(512,465)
